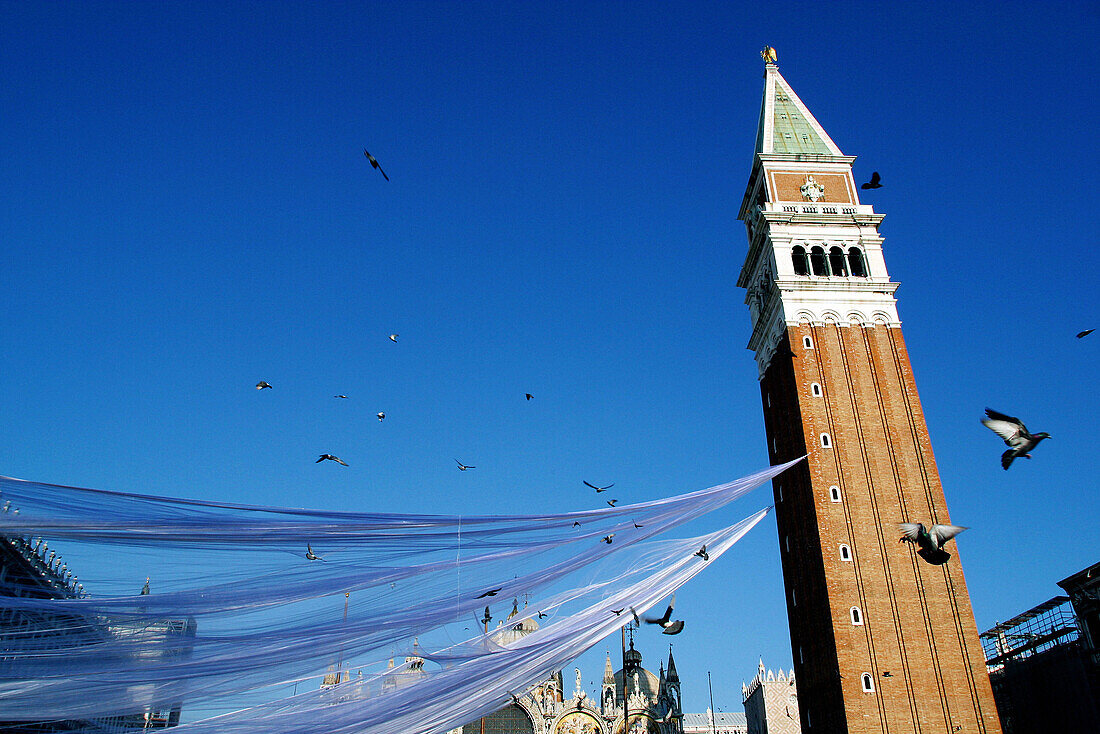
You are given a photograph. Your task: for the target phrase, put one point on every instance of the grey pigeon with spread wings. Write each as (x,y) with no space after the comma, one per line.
(1015,436)
(930,541)
(668,625)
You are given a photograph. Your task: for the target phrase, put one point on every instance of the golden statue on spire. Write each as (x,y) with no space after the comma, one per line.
(769,55)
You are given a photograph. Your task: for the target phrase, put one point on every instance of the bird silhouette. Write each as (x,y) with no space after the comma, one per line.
(617,612)
(1083,334)
(261,385)
(374,164)
(463,467)
(607,538)
(668,626)
(576,523)
(542,615)
(330,457)
(599,489)
(1015,436)
(381,416)
(310,555)
(528,395)
(702,553)
(637,525)
(929,542)
(393,338)
(612,502)
(874,182)
(490,592)
(345,397)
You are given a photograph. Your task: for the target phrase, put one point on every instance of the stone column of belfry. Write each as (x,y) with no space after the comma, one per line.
(882,640)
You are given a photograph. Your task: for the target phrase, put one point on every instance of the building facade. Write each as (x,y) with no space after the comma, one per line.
(771,703)
(882,640)
(1044,664)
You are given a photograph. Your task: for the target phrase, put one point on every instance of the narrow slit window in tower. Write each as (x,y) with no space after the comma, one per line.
(816,390)
(856,262)
(807,342)
(818,262)
(845,553)
(834,493)
(801,261)
(857,616)
(868,683)
(837,263)
(826,442)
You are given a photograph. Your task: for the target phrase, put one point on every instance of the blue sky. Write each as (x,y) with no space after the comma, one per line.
(185,209)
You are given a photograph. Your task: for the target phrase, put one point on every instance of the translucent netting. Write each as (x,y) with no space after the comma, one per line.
(238,618)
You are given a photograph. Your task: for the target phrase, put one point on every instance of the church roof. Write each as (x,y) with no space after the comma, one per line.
(647,682)
(723,718)
(786,124)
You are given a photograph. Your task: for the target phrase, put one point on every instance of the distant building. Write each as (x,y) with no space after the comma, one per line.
(633,700)
(771,703)
(1044,664)
(710,723)
(30,569)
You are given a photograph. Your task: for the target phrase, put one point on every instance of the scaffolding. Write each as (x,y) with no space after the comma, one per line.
(1039,629)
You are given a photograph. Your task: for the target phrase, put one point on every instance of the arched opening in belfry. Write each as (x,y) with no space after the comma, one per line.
(801,261)
(817,261)
(838,264)
(856,262)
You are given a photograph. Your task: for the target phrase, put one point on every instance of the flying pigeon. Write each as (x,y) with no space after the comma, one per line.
(145,589)
(702,553)
(1015,434)
(636,524)
(463,467)
(874,182)
(393,338)
(599,489)
(310,555)
(345,397)
(930,542)
(634,613)
(330,457)
(374,164)
(617,612)
(612,502)
(576,523)
(490,592)
(528,395)
(607,538)
(542,615)
(381,416)
(668,626)
(1086,332)
(262,385)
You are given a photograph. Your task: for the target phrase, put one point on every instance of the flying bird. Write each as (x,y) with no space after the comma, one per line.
(576,523)
(607,538)
(345,397)
(1015,435)
(262,385)
(463,467)
(668,626)
(929,542)
(1083,334)
(330,457)
(612,502)
(634,613)
(490,592)
(874,182)
(702,553)
(599,489)
(542,615)
(393,338)
(145,589)
(310,555)
(528,395)
(637,525)
(381,416)
(374,164)
(617,612)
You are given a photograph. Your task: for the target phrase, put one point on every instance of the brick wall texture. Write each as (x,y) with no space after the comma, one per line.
(917,639)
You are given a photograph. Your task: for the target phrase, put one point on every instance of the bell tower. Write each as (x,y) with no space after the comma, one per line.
(882,640)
